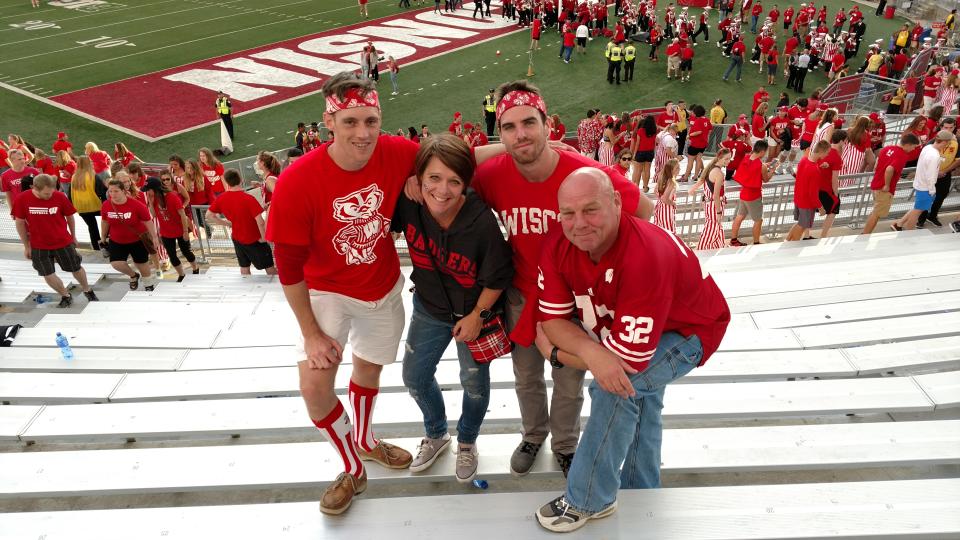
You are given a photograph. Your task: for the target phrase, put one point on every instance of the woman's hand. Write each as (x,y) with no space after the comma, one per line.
(468,328)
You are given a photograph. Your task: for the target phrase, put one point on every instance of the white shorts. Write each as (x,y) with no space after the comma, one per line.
(373,329)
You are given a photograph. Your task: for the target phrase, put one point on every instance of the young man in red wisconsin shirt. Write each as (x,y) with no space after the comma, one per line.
(48,230)
(635,337)
(521,187)
(330,220)
(10,179)
(248,230)
(806,199)
(751,174)
(890,163)
(830,167)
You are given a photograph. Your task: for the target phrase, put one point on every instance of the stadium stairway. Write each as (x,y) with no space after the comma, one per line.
(831,410)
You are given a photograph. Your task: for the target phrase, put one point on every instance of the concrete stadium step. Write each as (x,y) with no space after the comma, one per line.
(888,509)
(287,415)
(90,360)
(941,302)
(280,466)
(879,331)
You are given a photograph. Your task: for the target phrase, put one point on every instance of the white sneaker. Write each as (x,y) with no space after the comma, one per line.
(467,462)
(428,451)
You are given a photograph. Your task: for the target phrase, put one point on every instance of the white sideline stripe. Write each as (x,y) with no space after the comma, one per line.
(888,509)
(278,466)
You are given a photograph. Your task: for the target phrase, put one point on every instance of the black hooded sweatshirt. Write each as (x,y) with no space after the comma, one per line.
(469,256)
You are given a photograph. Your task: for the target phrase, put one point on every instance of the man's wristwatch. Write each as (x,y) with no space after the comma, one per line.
(554,360)
(486,314)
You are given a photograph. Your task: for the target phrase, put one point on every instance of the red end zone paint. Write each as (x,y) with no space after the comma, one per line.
(180,99)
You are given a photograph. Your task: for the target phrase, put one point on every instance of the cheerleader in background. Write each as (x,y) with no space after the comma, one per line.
(606,155)
(855,152)
(714,200)
(948,92)
(665,213)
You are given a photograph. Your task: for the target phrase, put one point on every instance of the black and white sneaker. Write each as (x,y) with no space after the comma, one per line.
(564,461)
(558,516)
(65,301)
(955,226)
(148,288)
(91,296)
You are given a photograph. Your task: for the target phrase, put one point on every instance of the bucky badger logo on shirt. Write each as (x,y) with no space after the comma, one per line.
(365,225)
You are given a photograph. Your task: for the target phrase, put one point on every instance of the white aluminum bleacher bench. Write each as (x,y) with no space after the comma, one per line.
(287,416)
(882,509)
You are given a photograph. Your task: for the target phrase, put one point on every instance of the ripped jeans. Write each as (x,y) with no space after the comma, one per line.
(427,338)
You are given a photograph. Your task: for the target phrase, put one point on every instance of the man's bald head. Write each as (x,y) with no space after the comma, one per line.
(589,210)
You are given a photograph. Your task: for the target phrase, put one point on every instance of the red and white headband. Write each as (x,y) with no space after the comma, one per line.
(353,98)
(519,98)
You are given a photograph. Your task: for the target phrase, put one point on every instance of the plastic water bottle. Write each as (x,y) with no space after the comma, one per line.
(40,299)
(482,484)
(64,345)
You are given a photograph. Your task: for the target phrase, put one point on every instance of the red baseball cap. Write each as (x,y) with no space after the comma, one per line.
(468,126)
(61,135)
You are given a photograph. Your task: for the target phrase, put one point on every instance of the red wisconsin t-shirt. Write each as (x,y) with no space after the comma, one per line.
(46,219)
(805,190)
(215,176)
(933,82)
(703,125)
(10,180)
(170,224)
(627,316)
(101,161)
(46,166)
(529,209)
(749,175)
(66,172)
(123,218)
(891,156)
(242,210)
(344,217)
(831,162)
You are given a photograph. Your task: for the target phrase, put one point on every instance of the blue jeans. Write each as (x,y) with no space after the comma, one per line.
(753,24)
(566,51)
(734,61)
(393,80)
(628,431)
(427,338)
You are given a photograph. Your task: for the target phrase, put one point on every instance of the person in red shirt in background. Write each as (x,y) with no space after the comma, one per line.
(535,31)
(755,12)
(700,128)
(838,21)
(931,84)
(643,146)
(878,132)
(174,229)
(66,167)
(122,220)
(557,129)
(758,124)
(920,128)
(10,179)
(751,174)
(759,96)
(686,63)
(900,61)
(739,149)
(43,162)
(829,189)
(48,230)
(456,127)
(123,154)
(101,161)
(62,144)
(244,216)
(891,160)
(665,325)
(788,17)
(137,174)
(742,125)
(801,25)
(774,14)
(212,169)
(772,57)
(837,64)
(806,198)
(673,59)
(268,168)
(656,35)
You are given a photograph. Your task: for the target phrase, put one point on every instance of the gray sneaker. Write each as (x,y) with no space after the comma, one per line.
(428,451)
(522,459)
(467,461)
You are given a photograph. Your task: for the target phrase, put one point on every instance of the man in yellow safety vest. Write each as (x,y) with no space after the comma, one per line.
(490,111)
(614,61)
(629,57)
(225,110)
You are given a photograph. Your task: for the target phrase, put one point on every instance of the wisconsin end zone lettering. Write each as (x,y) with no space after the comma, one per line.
(269,75)
(85,5)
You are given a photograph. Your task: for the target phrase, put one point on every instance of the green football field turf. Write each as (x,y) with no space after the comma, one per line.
(51,61)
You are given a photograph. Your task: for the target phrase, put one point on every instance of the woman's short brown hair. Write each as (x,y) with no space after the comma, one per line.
(451,150)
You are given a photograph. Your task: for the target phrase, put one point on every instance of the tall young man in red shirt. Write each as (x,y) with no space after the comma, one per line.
(830,167)
(48,231)
(521,187)
(330,221)
(243,215)
(664,326)
(806,200)
(751,175)
(890,163)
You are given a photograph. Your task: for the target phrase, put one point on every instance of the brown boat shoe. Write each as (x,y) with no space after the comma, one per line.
(388,455)
(339,494)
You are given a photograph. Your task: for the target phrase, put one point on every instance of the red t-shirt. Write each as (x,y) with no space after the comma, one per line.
(123,218)
(703,126)
(664,119)
(61,144)
(529,209)
(645,143)
(215,176)
(673,49)
(569,39)
(805,194)
(933,82)
(890,156)
(66,172)
(749,176)
(766,43)
(46,219)
(686,53)
(46,166)
(774,15)
(739,149)
(242,210)
(203,196)
(343,217)
(124,159)
(757,126)
(778,125)
(10,180)
(831,162)
(737,50)
(170,224)
(838,61)
(809,128)
(757,10)
(758,97)
(625,317)
(900,61)
(101,161)
(791,45)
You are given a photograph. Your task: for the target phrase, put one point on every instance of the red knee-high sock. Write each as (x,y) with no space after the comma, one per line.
(337,429)
(362,400)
